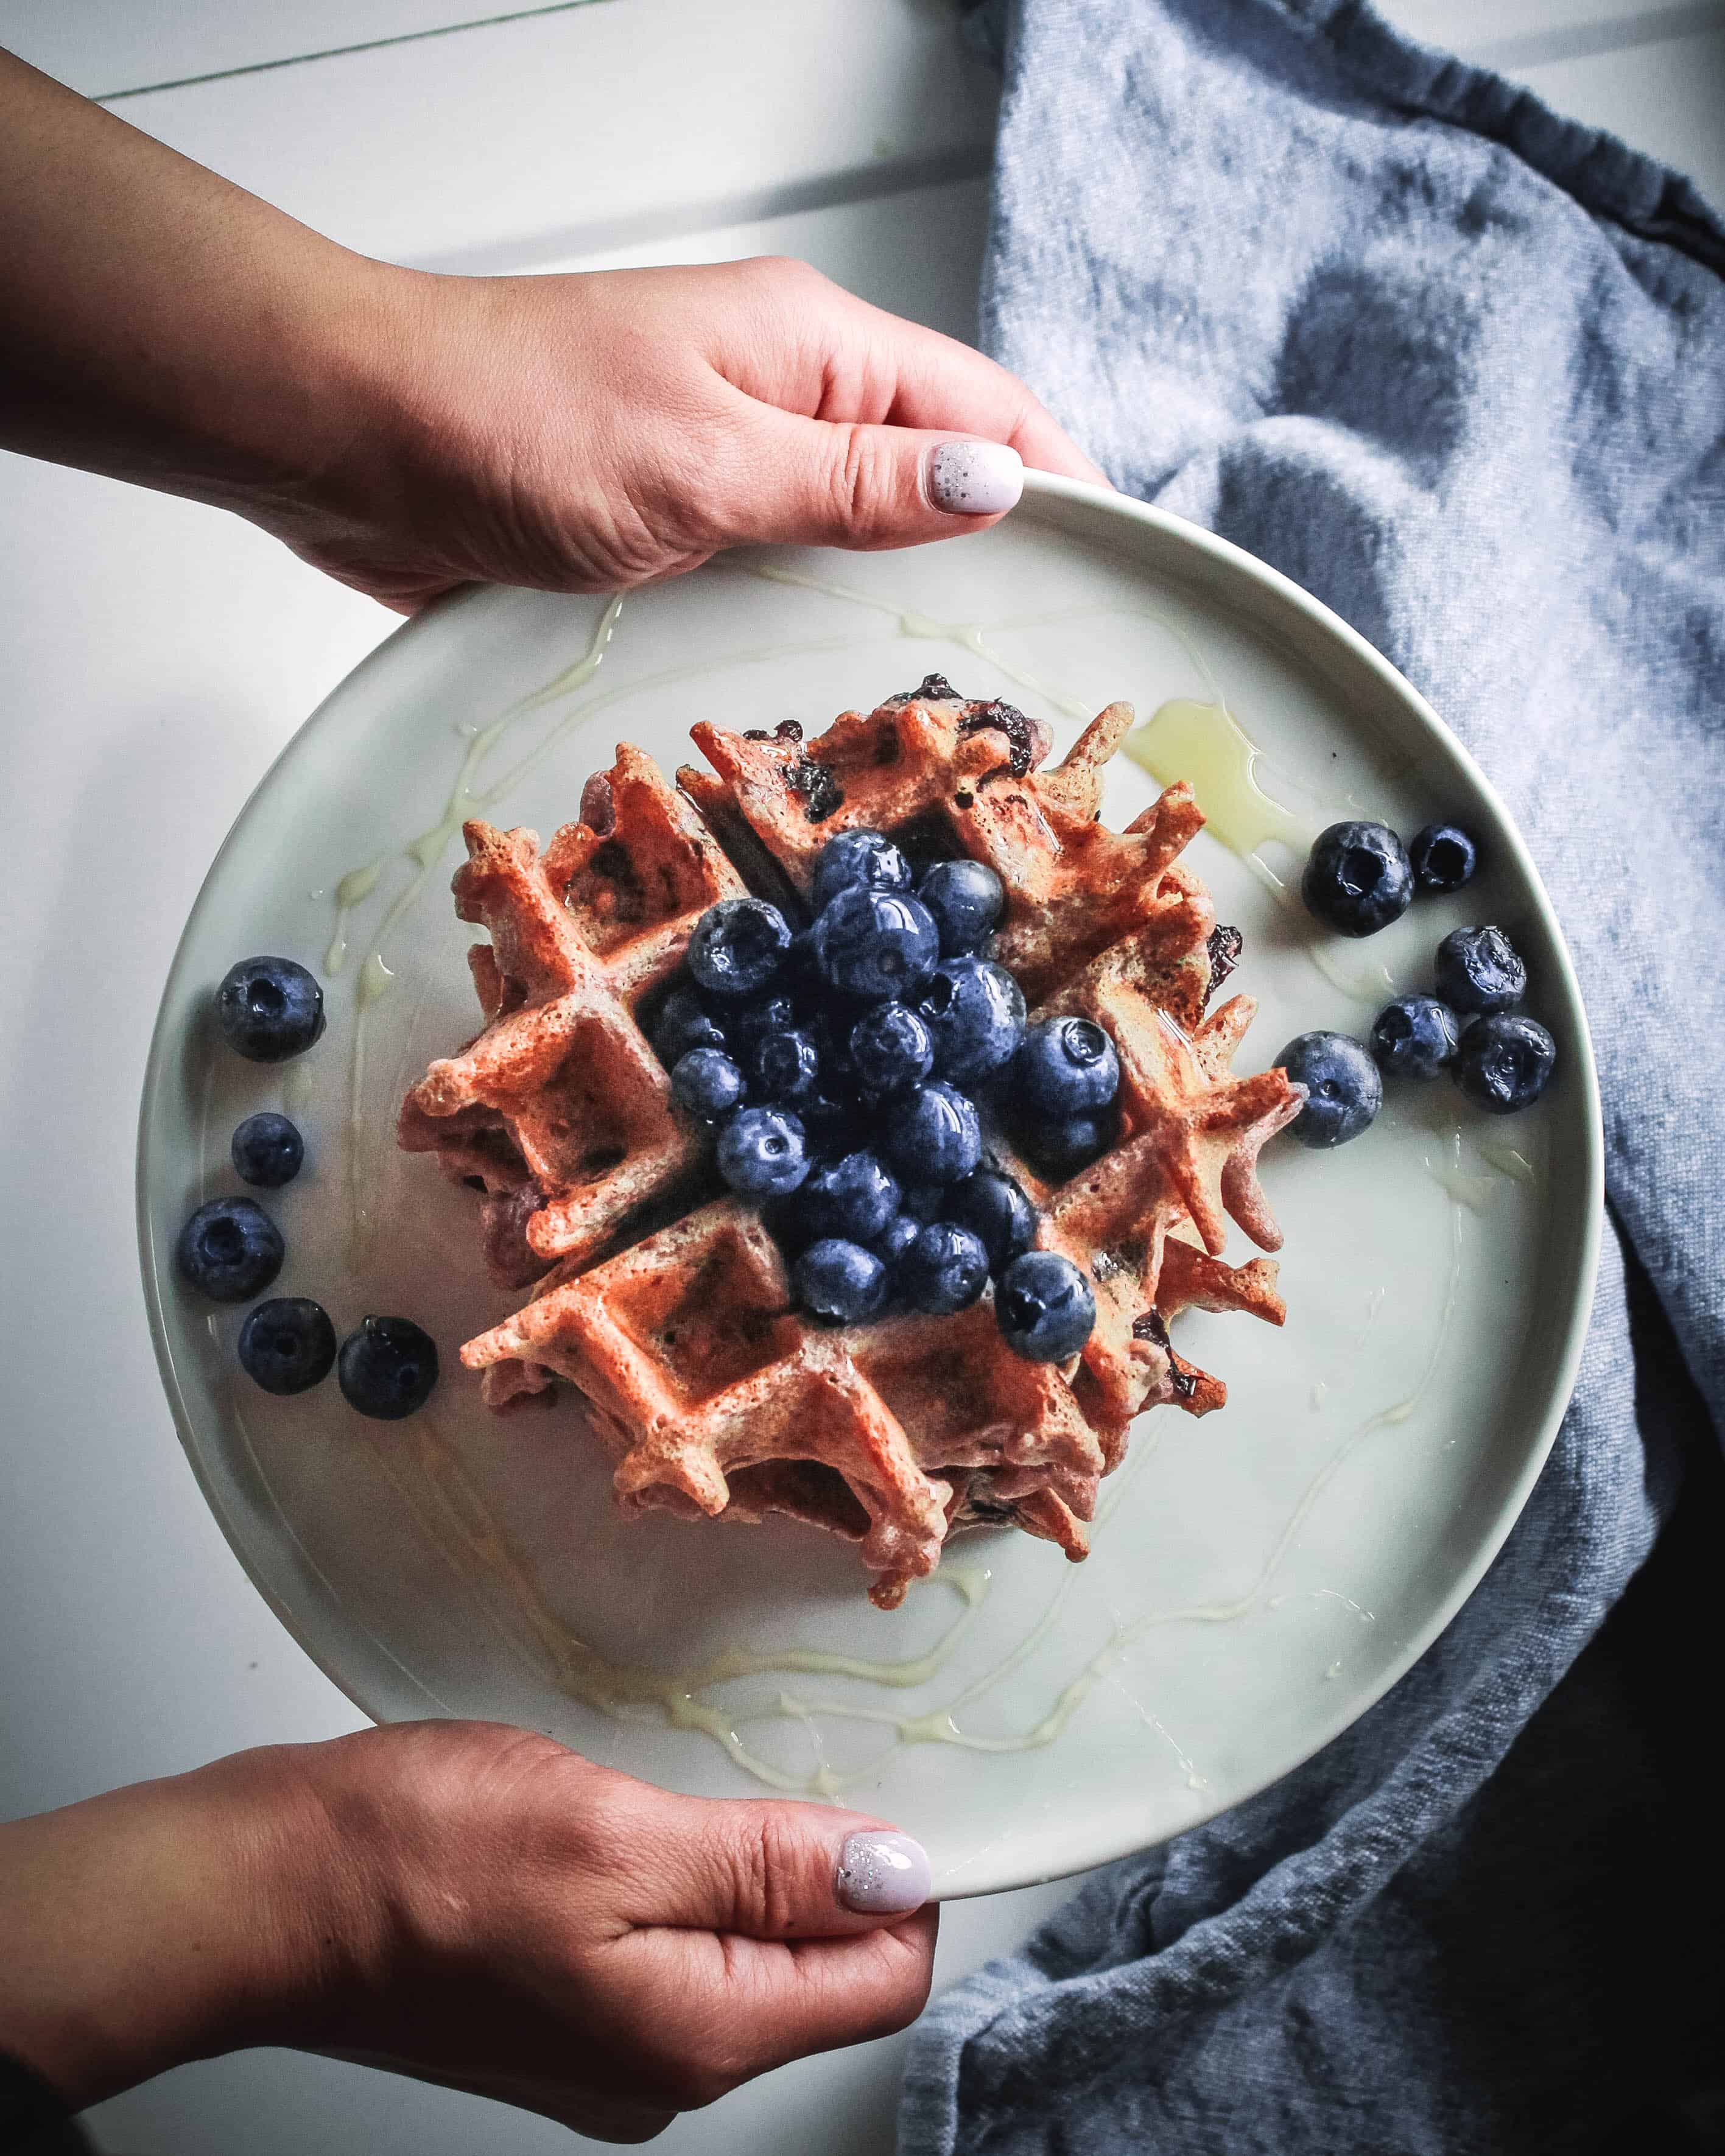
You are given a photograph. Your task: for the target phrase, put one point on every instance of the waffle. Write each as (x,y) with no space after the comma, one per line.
(714,1397)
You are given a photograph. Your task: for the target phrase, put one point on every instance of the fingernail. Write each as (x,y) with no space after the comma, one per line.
(883,1875)
(974,478)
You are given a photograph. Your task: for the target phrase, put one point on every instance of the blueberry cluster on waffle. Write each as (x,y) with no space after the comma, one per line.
(724,1374)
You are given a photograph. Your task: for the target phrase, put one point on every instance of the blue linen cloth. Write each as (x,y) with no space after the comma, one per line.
(1457,365)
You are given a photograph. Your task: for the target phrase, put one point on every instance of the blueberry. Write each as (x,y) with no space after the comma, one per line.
(993,1208)
(684,1024)
(858,857)
(269,1009)
(944,1270)
(1479,969)
(386,1368)
(840,1280)
(895,1238)
(831,1127)
(924,1201)
(785,1066)
(975,1010)
(1343,1090)
(1066,1066)
(855,1198)
(1504,1062)
(967,900)
(1413,1037)
(738,946)
(761,1152)
(267,1151)
(287,1345)
(1443,857)
(875,943)
(760,1016)
(933,1134)
(230,1249)
(890,1046)
(1044,1306)
(1356,879)
(708,1083)
(1061,1145)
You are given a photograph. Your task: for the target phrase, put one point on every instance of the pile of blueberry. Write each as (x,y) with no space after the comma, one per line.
(1358,879)
(844,1068)
(270,1009)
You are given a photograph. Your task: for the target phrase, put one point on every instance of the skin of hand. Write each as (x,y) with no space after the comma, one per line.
(407,432)
(469,1904)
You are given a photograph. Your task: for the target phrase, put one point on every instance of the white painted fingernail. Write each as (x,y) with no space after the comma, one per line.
(974,478)
(883,1875)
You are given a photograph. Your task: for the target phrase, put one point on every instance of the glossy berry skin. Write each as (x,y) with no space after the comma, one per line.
(933,1134)
(267,1151)
(737,947)
(895,1238)
(857,1197)
(763,1153)
(967,900)
(890,1046)
(1343,1089)
(1413,1037)
(1358,879)
(1060,1146)
(386,1368)
(287,1345)
(997,1211)
(269,1009)
(708,1083)
(873,944)
(1443,857)
(1067,1066)
(685,1023)
(946,1269)
(858,857)
(230,1249)
(1044,1306)
(975,1011)
(840,1280)
(762,1015)
(1479,970)
(1505,1062)
(785,1066)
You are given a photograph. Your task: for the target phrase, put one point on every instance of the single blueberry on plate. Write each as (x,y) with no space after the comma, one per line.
(840,1280)
(1504,1062)
(230,1249)
(1479,969)
(785,1066)
(1443,857)
(684,1023)
(269,1009)
(267,1150)
(1044,1306)
(1413,1037)
(1356,879)
(1060,1146)
(933,1134)
(287,1345)
(386,1368)
(855,1197)
(763,1153)
(875,943)
(975,1011)
(708,1083)
(946,1269)
(890,1046)
(1066,1066)
(738,946)
(967,900)
(895,1238)
(858,857)
(993,1208)
(1343,1089)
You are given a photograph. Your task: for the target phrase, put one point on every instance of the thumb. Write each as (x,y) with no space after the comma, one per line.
(841,483)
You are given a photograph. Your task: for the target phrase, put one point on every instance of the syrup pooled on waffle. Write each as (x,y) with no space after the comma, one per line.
(669,1307)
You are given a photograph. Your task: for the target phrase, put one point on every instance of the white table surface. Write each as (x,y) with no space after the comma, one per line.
(156,655)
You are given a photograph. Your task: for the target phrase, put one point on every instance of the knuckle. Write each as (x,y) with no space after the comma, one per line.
(857,481)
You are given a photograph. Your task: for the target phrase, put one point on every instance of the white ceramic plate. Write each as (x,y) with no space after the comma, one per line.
(1259,1577)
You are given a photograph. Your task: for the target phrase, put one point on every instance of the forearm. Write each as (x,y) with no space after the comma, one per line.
(159,324)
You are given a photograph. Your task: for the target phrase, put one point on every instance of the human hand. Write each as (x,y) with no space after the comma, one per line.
(469,1904)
